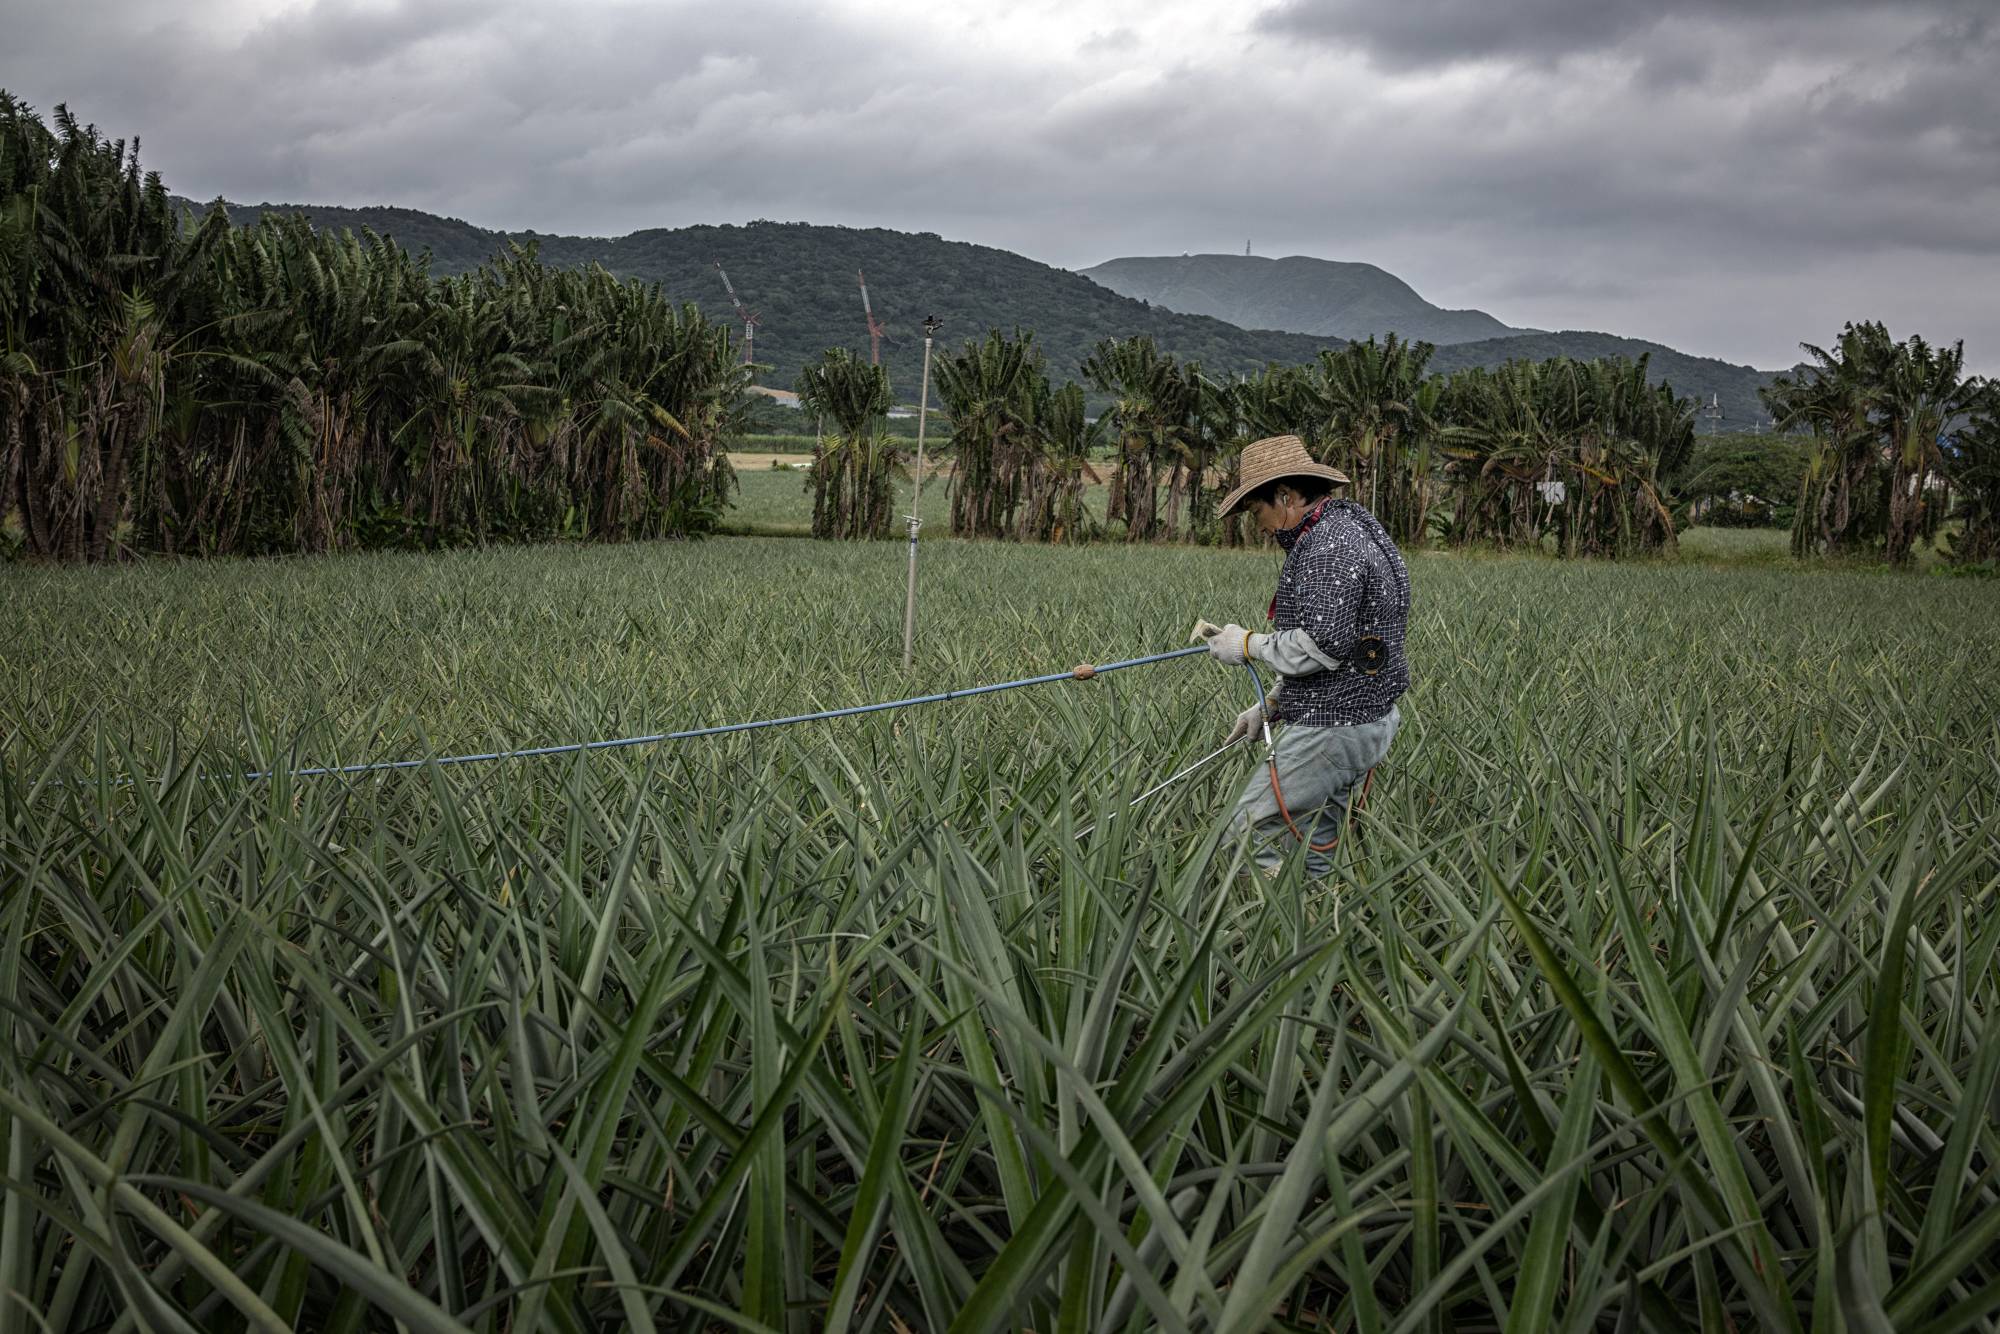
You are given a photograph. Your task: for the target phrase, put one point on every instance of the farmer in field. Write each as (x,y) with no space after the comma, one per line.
(1336,643)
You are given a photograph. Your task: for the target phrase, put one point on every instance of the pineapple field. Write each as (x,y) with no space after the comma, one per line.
(1655,988)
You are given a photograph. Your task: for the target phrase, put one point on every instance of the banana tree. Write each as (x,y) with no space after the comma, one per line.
(1153,418)
(991,388)
(1973,464)
(1922,391)
(1841,502)
(1502,456)
(95,268)
(1229,415)
(852,473)
(1364,401)
(1059,468)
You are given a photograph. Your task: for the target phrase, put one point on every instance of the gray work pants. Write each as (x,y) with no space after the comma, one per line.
(1318,770)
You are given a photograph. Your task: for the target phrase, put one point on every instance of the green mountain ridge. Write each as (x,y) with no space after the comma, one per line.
(1733,388)
(801,280)
(1324,297)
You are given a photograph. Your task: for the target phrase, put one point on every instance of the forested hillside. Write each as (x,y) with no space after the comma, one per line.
(1328,298)
(1698,377)
(800,278)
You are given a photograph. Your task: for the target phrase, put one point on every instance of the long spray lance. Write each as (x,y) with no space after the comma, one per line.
(1161,786)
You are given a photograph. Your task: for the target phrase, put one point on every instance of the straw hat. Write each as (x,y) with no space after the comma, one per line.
(1271,458)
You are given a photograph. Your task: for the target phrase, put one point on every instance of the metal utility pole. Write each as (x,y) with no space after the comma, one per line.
(875,327)
(931,326)
(749,317)
(1712,413)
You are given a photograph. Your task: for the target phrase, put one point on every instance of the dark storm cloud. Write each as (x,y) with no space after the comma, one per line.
(539,114)
(1700,152)
(1730,178)
(1939,93)
(356,38)
(1412,33)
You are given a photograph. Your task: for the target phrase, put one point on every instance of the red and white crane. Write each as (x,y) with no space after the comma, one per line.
(875,328)
(749,317)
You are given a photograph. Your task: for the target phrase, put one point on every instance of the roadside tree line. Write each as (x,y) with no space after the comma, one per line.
(1885,443)
(1901,441)
(1561,450)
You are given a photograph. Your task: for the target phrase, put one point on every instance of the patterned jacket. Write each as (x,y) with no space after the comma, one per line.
(1343,579)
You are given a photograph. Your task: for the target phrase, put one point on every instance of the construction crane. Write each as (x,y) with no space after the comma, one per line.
(749,317)
(875,329)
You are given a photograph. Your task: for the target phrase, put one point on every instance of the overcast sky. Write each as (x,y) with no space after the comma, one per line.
(1727,176)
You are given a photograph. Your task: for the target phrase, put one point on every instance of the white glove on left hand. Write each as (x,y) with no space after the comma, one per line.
(1249,723)
(1234,645)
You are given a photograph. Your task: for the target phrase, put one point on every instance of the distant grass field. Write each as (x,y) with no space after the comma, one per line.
(777,503)
(776,444)
(1656,988)
(799,439)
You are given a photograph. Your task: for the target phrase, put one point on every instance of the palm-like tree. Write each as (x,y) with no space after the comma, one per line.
(1921,391)
(1501,454)
(1973,464)
(1064,437)
(1876,410)
(1573,448)
(852,473)
(1623,435)
(182,385)
(466,385)
(1229,415)
(989,388)
(1153,416)
(345,302)
(95,270)
(1417,478)
(1366,410)
(1830,399)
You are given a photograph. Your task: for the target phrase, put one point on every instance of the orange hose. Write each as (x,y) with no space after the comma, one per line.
(1334,842)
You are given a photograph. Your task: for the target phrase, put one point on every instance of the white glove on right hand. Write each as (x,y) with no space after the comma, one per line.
(1232,644)
(1249,723)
